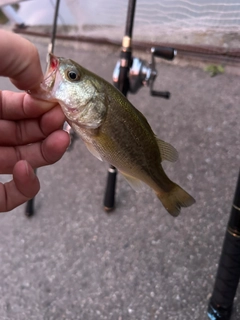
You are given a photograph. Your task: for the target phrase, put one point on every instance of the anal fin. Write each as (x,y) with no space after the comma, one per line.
(135,183)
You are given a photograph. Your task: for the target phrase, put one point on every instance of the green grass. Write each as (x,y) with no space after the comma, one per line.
(214,69)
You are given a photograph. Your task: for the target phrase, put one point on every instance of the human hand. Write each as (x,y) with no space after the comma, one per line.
(30,135)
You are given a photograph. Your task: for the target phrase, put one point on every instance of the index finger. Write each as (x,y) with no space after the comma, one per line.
(19,61)
(20,105)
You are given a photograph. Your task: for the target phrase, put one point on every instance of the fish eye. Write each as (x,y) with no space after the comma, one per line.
(73,75)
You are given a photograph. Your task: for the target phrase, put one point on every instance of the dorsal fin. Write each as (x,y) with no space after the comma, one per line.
(167,151)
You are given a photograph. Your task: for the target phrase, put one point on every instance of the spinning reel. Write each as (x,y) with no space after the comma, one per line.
(142,73)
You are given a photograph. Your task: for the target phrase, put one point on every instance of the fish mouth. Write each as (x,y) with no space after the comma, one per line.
(53,62)
(50,75)
(44,91)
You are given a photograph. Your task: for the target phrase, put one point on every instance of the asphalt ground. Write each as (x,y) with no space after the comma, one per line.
(73,261)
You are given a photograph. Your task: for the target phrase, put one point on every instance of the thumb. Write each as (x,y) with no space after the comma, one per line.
(19,61)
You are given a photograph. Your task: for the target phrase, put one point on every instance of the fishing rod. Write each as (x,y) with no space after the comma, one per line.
(29,210)
(228,274)
(129,75)
(123,85)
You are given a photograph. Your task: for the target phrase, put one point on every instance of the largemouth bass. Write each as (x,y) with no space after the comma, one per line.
(113,129)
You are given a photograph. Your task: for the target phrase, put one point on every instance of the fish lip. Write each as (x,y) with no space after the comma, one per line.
(53,61)
(50,75)
(43,91)
(49,80)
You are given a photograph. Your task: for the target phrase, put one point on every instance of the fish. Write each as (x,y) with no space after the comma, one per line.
(112,129)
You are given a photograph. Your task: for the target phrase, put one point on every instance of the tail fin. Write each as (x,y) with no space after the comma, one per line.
(175,199)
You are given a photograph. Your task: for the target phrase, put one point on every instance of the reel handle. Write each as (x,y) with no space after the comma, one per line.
(166,53)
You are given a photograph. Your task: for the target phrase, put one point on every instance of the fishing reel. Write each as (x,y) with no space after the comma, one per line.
(142,73)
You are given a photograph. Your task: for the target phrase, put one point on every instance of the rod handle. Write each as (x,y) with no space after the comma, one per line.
(29,209)
(109,198)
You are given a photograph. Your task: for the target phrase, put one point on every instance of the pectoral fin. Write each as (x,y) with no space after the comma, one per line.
(135,183)
(93,151)
(168,152)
